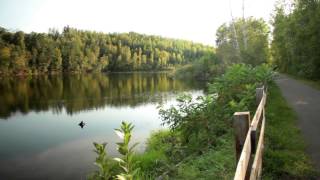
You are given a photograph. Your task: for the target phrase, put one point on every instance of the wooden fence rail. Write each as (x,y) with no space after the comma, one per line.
(249,151)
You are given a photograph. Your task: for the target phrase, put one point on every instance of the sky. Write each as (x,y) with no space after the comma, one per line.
(195,20)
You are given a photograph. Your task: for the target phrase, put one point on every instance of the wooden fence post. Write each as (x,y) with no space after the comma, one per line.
(249,158)
(241,124)
(259,95)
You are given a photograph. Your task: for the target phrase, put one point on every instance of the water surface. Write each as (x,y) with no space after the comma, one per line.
(39,133)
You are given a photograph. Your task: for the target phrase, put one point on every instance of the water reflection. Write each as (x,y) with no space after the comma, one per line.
(40,117)
(84,92)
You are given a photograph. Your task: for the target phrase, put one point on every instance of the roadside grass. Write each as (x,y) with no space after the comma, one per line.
(216,163)
(285,156)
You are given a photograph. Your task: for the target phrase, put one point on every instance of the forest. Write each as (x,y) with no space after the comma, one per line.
(296,39)
(75,50)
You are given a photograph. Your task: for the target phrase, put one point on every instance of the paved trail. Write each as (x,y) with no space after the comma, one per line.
(306,102)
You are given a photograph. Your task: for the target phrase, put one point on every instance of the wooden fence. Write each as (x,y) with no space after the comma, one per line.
(249,151)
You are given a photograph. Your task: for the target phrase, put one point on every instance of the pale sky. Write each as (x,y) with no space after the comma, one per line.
(195,20)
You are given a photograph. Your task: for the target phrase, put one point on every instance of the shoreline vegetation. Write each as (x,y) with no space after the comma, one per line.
(199,143)
(169,71)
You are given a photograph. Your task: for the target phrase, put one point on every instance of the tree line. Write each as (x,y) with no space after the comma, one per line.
(243,40)
(75,50)
(296,39)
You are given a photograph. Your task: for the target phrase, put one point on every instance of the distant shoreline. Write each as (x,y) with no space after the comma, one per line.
(73,73)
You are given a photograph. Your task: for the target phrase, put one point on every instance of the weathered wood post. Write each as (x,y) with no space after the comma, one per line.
(259,95)
(241,124)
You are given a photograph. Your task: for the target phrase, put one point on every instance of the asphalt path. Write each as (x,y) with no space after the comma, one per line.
(305,100)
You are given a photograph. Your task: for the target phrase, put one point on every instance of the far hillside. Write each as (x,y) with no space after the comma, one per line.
(75,50)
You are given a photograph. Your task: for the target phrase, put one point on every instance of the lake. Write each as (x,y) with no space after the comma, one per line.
(39,133)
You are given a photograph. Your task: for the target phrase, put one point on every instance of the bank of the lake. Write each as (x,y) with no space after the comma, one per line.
(284,158)
(199,143)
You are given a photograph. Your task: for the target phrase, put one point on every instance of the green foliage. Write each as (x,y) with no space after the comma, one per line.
(155,160)
(151,163)
(200,122)
(201,128)
(295,45)
(203,69)
(199,142)
(285,156)
(122,168)
(126,162)
(236,88)
(5,54)
(74,50)
(243,41)
(103,162)
(158,141)
(191,119)
(240,41)
(216,163)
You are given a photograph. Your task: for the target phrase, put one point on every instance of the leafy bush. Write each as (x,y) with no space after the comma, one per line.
(126,162)
(105,164)
(191,119)
(201,124)
(236,88)
(125,168)
(155,160)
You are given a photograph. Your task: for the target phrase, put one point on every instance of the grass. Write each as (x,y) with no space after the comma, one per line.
(216,163)
(154,160)
(285,156)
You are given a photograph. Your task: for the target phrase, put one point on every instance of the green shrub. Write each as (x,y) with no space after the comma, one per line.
(106,167)
(201,124)
(154,160)
(202,120)
(123,168)
(216,163)
(129,170)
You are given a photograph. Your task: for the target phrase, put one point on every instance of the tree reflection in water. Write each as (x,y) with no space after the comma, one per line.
(76,93)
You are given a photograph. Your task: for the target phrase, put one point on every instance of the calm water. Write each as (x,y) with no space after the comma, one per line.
(39,133)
